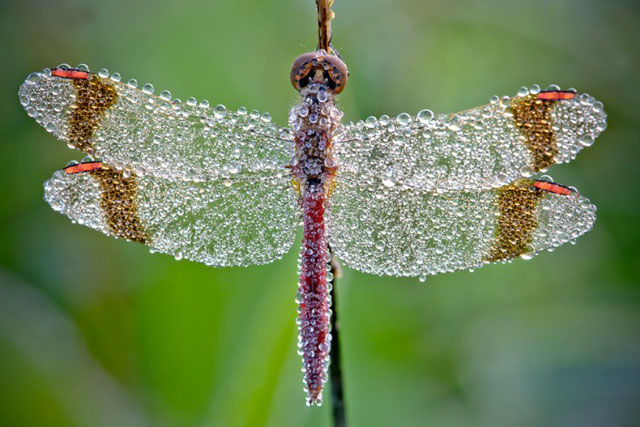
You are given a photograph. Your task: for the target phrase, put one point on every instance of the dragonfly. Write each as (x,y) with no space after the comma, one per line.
(413,195)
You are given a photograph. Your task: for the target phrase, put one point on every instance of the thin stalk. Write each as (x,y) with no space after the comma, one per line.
(335,366)
(325,15)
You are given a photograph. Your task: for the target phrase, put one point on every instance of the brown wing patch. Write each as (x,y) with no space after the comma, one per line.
(93,97)
(532,115)
(119,204)
(517,204)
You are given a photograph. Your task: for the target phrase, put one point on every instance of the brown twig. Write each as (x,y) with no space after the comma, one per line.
(335,366)
(325,15)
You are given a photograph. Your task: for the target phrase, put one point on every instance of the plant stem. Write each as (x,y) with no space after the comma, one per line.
(335,366)
(325,15)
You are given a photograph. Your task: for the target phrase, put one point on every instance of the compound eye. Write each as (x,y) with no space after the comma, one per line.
(301,69)
(319,67)
(338,72)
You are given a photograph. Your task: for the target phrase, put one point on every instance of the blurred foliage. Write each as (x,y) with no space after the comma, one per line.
(98,332)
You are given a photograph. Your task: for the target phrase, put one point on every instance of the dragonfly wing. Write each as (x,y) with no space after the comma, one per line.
(481,148)
(219,223)
(130,128)
(411,233)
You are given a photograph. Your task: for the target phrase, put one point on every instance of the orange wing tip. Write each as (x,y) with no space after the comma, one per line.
(70,73)
(557,95)
(553,188)
(83,167)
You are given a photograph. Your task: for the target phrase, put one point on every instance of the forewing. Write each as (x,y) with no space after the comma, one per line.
(130,128)
(218,223)
(482,148)
(410,233)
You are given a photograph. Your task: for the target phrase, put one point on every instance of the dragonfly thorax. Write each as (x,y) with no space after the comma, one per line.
(319,68)
(314,122)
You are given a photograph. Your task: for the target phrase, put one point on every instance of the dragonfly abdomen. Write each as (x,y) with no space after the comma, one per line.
(314,339)
(314,171)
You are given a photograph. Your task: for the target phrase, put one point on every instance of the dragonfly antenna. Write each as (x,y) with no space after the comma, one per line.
(325,15)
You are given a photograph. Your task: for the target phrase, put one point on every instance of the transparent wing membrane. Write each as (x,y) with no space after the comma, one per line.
(130,128)
(481,148)
(410,233)
(218,223)
(413,196)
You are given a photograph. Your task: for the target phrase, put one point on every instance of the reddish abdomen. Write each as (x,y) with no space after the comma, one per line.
(314,340)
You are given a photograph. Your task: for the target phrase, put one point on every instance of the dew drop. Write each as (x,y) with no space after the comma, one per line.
(528,255)
(220,111)
(33,78)
(586,140)
(425,116)
(403,119)
(370,122)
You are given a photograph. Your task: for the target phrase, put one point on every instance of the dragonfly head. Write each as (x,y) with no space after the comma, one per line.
(319,67)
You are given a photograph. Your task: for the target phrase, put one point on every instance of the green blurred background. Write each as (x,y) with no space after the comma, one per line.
(98,332)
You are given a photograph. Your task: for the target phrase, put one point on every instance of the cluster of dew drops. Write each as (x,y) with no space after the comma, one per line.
(223,144)
(45,99)
(306,343)
(477,148)
(357,230)
(421,235)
